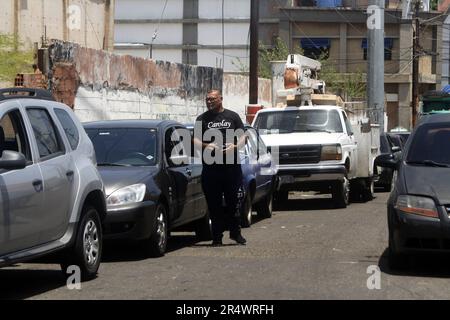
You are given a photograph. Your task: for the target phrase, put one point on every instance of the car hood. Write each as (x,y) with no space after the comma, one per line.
(115,178)
(428,181)
(304,138)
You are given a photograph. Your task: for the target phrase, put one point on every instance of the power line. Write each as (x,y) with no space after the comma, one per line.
(155,33)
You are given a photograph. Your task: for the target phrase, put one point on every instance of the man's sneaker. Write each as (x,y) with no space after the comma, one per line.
(217,243)
(239,239)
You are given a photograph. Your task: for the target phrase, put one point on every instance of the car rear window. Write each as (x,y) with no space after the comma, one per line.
(431,142)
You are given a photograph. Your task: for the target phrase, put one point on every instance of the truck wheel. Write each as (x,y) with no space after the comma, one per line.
(246,213)
(87,251)
(203,229)
(155,246)
(341,193)
(264,208)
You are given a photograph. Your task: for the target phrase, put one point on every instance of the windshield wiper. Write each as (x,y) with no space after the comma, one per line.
(429,163)
(106,164)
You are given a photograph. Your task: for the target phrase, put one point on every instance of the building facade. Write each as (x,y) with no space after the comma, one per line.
(211,33)
(89,23)
(338,28)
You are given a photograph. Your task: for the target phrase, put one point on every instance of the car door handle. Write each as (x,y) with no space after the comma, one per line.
(69,174)
(37,184)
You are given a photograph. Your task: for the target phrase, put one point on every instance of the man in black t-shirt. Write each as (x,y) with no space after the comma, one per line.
(222,135)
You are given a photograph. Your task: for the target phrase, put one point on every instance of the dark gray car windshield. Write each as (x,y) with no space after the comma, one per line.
(299,121)
(124,146)
(430,146)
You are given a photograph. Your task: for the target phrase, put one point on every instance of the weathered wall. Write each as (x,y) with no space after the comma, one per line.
(100,85)
(235,92)
(88,22)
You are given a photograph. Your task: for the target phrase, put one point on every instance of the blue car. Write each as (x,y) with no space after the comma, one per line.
(259,178)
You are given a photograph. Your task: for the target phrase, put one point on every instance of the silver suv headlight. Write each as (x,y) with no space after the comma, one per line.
(129,194)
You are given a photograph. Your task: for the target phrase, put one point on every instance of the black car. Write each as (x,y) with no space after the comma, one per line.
(151,185)
(390,149)
(399,138)
(419,205)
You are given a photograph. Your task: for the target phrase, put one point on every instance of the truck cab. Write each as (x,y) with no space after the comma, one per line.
(315,148)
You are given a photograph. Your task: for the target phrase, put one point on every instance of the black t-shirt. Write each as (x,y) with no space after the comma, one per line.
(226,124)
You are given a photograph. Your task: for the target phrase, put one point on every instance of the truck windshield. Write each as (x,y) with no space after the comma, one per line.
(289,121)
(431,145)
(124,146)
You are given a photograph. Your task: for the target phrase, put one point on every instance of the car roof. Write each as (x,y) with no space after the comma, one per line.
(434,118)
(144,123)
(18,93)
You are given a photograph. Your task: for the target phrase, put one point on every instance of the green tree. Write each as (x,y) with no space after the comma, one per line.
(13,59)
(279,51)
(348,85)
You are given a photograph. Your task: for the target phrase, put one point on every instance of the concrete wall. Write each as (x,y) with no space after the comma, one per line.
(88,22)
(99,85)
(235,92)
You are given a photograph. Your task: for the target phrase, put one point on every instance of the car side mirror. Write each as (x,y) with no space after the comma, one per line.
(12,160)
(396,149)
(386,161)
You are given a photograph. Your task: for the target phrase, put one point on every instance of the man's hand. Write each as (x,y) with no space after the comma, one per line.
(229,147)
(212,146)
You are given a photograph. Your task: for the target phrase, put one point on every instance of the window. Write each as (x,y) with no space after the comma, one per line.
(124,146)
(308,120)
(13,134)
(175,146)
(388,42)
(431,142)
(315,48)
(69,127)
(348,125)
(47,138)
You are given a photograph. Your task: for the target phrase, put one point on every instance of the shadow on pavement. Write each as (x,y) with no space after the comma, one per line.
(425,265)
(25,283)
(304,204)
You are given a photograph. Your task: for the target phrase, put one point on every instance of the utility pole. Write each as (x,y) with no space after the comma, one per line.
(375,60)
(254,20)
(415,71)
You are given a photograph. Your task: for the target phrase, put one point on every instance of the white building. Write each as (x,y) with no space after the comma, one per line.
(211,33)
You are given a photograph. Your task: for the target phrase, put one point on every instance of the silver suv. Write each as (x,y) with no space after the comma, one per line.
(51,194)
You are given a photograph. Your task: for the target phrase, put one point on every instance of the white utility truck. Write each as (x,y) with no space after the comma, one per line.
(319,144)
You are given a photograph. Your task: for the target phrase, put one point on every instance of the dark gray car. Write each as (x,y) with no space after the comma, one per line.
(419,205)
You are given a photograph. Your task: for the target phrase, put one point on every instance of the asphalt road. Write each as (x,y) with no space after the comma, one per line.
(307,250)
